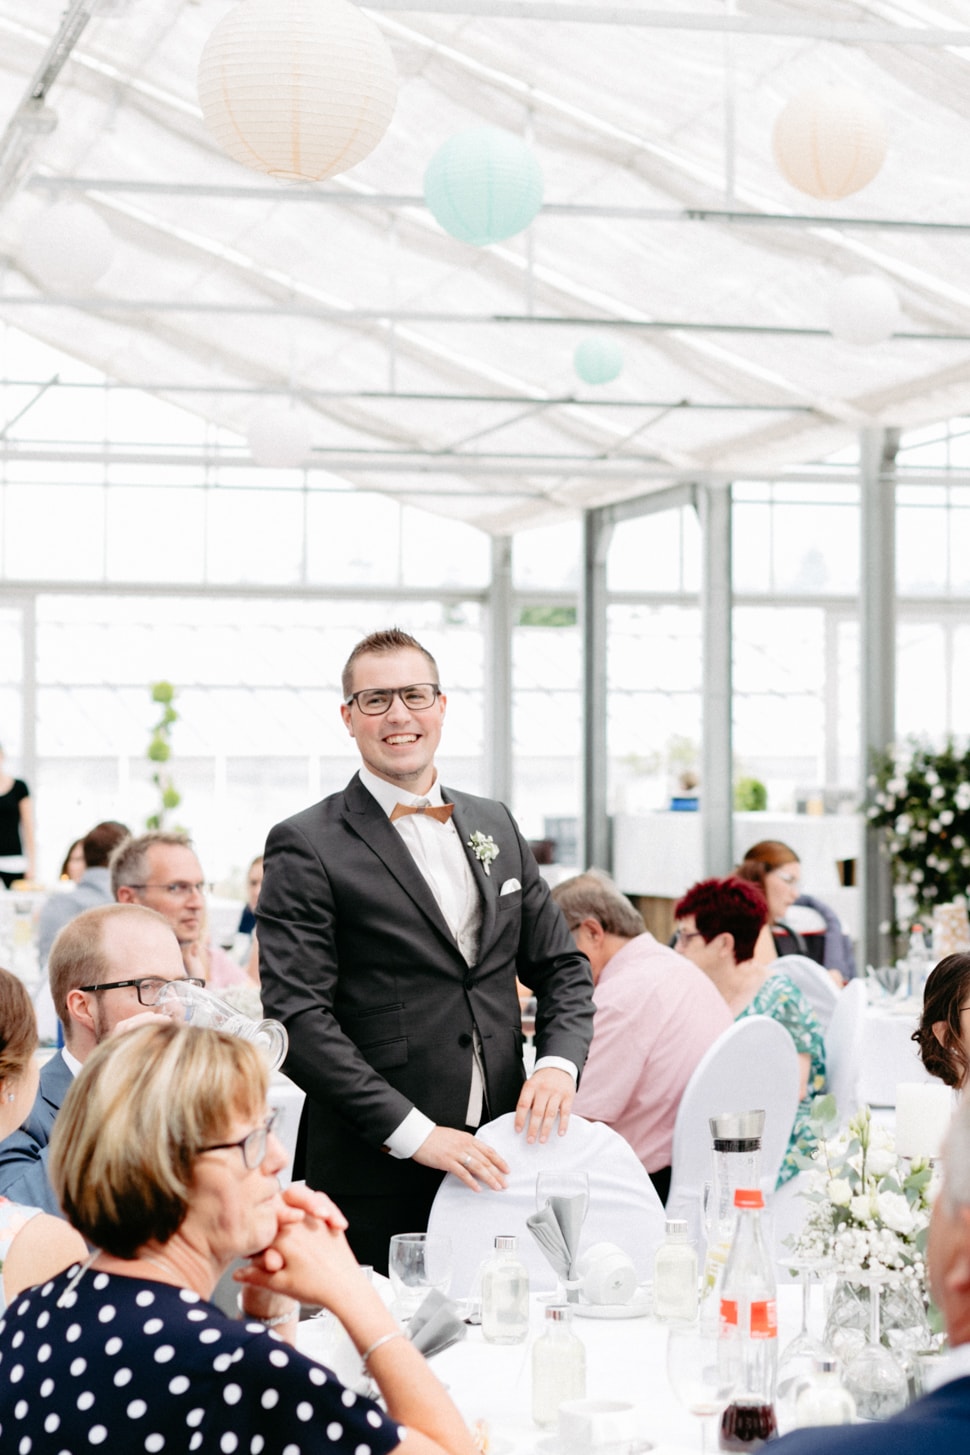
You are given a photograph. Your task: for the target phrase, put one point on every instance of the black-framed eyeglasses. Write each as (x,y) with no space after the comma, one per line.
(375,701)
(149,988)
(684,937)
(178,889)
(253,1144)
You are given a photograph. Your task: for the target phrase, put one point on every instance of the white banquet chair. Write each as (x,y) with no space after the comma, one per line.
(843,1049)
(753,1065)
(816,985)
(624,1207)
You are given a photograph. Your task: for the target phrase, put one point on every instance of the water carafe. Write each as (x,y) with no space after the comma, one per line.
(736,1162)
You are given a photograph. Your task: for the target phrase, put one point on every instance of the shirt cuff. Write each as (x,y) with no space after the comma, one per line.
(558,1063)
(405,1139)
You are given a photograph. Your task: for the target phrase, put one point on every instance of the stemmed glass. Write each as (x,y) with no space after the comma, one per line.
(695,1372)
(797,1362)
(416,1263)
(552,1187)
(874,1377)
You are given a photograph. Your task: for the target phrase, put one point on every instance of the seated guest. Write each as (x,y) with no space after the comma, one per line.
(73,867)
(165,1160)
(106,967)
(943,1036)
(940,1421)
(655,1016)
(718,923)
(93,887)
(797,923)
(33,1244)
(160,870)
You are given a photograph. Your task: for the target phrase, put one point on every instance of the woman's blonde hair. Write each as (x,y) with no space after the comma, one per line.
(145,1104)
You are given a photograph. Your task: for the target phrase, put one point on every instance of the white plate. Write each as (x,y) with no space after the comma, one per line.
(639,1306)
(553,1445)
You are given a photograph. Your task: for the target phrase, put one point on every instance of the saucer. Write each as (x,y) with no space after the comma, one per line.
(639,1306)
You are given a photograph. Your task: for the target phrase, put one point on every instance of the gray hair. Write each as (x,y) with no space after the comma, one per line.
(593,895)
(129,862)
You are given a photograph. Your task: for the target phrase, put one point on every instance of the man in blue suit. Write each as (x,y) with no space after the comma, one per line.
(104,968)
(940,1421)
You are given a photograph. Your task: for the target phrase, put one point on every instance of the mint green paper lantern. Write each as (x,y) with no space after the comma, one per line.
(483,185)
(598,360)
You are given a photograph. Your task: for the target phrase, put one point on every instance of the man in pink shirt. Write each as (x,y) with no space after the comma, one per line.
(655,1016)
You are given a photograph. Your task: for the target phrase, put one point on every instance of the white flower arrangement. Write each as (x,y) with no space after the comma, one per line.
(485,849)
(870,1209)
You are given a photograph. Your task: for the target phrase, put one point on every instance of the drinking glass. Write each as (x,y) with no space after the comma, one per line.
(796,1365)
(418,1262)
(874,1377)
(694,1371)
(197,1006)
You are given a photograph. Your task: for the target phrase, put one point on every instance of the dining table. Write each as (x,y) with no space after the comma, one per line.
(888,1054)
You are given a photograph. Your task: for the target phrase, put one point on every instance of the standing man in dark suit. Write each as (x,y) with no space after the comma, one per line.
(940,1421)
(392,922)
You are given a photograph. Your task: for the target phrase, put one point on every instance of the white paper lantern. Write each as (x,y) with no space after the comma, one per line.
(830,141)
(67,248)
(864,309)
(279,436)
(299,89)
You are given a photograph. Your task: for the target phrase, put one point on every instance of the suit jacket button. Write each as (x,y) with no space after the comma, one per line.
(464,1039)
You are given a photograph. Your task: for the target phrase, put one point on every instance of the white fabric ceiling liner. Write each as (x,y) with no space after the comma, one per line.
(442,373)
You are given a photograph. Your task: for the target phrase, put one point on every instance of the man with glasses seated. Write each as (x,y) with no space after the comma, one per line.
(107,968)
(392,920)
(161,871)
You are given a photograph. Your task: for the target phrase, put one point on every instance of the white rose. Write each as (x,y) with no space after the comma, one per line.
(881,1161)
(840,1191)
(895,1211)
(861,1208)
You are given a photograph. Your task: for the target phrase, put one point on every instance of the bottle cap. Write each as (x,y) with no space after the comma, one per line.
(559,1313)
(505,1242)
(676,1227)
(749,1197)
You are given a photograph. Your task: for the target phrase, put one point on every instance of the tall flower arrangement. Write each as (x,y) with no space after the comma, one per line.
(921,799)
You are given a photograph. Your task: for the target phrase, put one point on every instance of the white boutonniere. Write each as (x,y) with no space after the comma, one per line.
(485,849)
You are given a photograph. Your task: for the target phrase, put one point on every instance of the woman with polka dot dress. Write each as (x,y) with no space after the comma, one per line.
(164,1159)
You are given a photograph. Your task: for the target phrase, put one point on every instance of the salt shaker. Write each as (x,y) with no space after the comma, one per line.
(675,1275)
(558,1366)
(505,1295)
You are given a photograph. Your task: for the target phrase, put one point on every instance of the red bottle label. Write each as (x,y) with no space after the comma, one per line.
(764,1317)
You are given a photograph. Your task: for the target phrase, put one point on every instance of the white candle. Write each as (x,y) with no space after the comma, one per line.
(923,1111)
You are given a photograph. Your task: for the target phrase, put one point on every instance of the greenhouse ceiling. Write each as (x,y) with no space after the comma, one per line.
(442,373)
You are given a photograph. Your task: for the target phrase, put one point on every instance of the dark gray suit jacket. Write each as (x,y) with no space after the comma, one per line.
(23,1155)
(358,962)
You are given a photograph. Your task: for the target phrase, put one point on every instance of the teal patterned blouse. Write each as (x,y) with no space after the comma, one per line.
(781,998)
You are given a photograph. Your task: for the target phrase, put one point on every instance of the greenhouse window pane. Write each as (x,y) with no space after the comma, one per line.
(921,551)
(751,547)
(353,540)
(254,536)
(53,532)
(155,535)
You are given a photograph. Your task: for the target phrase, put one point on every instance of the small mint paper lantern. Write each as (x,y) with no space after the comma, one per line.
(598,360)
(483,185)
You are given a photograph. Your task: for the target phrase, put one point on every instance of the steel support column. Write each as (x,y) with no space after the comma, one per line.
(877,653)
(597,533)
(717,775)
(498,673)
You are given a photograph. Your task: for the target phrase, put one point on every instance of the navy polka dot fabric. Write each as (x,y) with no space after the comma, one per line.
(123,1365)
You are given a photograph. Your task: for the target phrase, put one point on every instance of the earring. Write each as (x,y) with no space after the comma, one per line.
(11,1096)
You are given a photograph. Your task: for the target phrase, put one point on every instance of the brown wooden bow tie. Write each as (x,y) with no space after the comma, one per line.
(442,812)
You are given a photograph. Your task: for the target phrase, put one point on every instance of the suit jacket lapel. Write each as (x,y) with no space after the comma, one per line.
(466,822)
(365,817)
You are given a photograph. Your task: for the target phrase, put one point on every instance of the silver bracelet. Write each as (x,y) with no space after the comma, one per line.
(384,1339)
(270,1321)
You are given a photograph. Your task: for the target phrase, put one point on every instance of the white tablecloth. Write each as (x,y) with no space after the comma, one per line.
(889,1055)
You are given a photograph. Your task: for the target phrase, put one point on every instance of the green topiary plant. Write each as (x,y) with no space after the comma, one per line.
(750,795)
(160,751)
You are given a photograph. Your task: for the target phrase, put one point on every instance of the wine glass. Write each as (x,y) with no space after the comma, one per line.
(874,1377)
(696,1375)
(416,1263)
(555,1190)
(796,1365)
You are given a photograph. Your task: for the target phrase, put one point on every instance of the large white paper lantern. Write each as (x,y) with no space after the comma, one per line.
(830,141)
(864,309)
(67,248)
(279,436)
(299,89)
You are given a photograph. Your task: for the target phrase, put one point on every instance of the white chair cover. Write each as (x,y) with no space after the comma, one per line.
(816,985)
(624,1207)
(843,1048)
(753,1065)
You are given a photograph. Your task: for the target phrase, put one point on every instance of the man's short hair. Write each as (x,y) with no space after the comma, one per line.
(98,845)
(593,895)
(129,862)
(726,906)
(78,956)
(125,1144)
(379,644)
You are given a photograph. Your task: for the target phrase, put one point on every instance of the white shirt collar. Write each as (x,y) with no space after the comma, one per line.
(389,795)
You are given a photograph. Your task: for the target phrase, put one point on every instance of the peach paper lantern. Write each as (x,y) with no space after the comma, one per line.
(298,89)
(830,141)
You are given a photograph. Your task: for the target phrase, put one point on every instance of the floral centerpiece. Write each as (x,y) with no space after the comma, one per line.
(921,798)
(868,1223)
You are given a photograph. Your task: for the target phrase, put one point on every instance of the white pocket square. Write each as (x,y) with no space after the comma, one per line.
(510,886)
